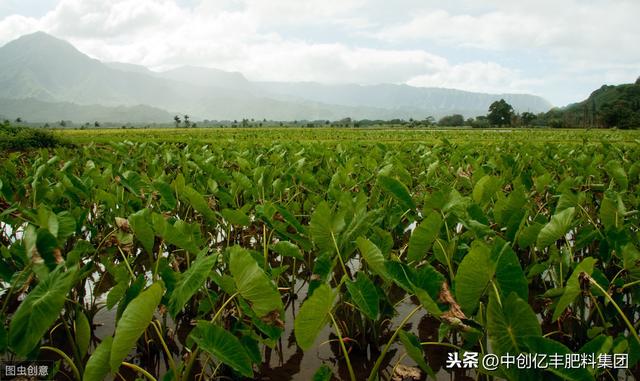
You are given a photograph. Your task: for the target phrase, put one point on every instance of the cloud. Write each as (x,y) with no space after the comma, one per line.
(363,41)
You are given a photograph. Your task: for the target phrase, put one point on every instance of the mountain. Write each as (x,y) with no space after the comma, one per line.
(44,68)
(608,106)
(37,111)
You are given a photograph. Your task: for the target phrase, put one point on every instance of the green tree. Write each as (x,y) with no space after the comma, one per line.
(527,118)
(177,121)
(500,113)
(455,120)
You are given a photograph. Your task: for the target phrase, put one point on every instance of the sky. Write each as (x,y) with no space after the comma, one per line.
(561,50)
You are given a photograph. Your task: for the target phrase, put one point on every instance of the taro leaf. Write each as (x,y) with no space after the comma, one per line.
(39,310)
(509,275)
(313,316)
(166,194)
(507,327)
(134,321)
(414,350)
(474,273)
(66,225)
(612,211)
(142,229)
(398,190)
(572,289)
(224,346)
(600,344)
(617,173)
(235,217)
(372,256)
(83,333)
(528,234)
(423,236)
(253,284)
(556,228)
(325,227)
(287,249)
(323,374)
(190,281)
(198,203)
(98,364)
(364,294)
(47,245)
(543,345)
(485,188)
(401,274)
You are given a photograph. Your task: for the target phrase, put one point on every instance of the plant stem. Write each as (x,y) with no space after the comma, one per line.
(66,358)
(172,364)
(217,315)
(344,268)
(376,366)
(344,349)
(139,370)
(617,307)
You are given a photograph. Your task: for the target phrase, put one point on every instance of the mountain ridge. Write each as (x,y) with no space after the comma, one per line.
(45,68)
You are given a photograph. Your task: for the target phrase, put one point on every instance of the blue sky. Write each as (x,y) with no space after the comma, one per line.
(561,50)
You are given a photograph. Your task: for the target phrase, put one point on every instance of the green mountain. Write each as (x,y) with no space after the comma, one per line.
(44,68)
(37,111)
(609,106)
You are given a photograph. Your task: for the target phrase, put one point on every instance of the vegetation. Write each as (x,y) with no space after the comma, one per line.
(20,138)
(209,258)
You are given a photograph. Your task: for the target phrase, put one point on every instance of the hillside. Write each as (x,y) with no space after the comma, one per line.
(608,106)
(44,68)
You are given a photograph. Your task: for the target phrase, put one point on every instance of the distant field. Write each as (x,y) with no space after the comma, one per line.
(214,135)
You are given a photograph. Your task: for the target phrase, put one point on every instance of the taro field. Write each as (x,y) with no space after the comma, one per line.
(324,254)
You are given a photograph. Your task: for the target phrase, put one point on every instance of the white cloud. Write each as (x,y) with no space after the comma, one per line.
(368,41)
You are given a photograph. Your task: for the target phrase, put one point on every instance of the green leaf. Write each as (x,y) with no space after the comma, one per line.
(83,332)
(190,281)
(142,229)
(39,310)
(473,276)
(556,228)
(323,374)
(134,321)
(414,350)
(485,188)
(166,194)
(398,190)
(372,256)
(423,236)
(572,289)
(235,217)
(617,173)
(198,203)
(549,347)
(364,295)
(98,364)
(313,316)
(224,346)
(509,275)
(253,284)
(325,227)
(508,324)
(287,249)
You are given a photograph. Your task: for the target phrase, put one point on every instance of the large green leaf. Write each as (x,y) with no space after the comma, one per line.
(473,276)
(556,228)
(198,203)
(372,256)
(190,281)
(287,249)
(398,190)
(224,346)
(97,366)
(364,295)
(572,289)
(423,236)
(325,227)
(509,275)
(313,316)
(543,345)
(253,284)
(134,321)
(616,172)
(83,332)
(508,324)
(485,188)
(140,223)
(39,310)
